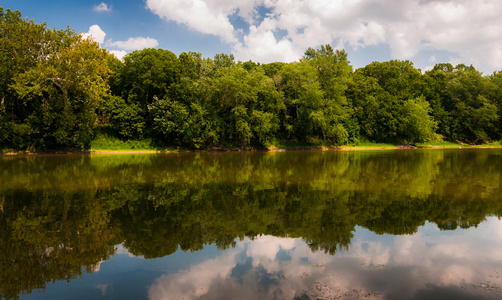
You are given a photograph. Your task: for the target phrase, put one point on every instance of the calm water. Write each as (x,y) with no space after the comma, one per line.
(290,225)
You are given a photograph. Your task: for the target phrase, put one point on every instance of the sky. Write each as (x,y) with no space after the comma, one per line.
(425,32)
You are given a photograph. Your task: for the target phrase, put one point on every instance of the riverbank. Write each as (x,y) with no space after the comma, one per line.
(362,147)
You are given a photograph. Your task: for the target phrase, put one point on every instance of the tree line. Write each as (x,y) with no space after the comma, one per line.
(59,91)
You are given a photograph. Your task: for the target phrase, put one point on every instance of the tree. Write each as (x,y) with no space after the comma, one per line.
(272,69)
(170,119)
(436,93)
(148,73)
(63,90)
(416,123)
(121,119)
(474,105)
(378,94)
(249,65)
(399,78)
(302,94)
(22,44)
(334,72)
(464,102)
(496,95)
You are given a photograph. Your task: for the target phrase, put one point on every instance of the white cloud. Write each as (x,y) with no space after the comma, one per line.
(118,53)
(469,29)
(261,45)
(102,7)
(96,34)
(136,43)
(210,17)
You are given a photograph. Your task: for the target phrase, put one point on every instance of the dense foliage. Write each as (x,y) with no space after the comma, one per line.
(58,91)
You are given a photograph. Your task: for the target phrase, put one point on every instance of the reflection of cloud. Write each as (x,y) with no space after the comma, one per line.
(196,281)
(445,259)
(461,263)
(103,288)
(97,266)
(456,275)
(119,249)
(218,279)
(264,251)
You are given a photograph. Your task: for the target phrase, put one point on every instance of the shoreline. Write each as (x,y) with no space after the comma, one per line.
(341,148)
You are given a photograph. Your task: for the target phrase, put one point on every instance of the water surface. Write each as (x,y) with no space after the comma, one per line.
(290,225)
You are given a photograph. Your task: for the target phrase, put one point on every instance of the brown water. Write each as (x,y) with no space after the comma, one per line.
(290,225)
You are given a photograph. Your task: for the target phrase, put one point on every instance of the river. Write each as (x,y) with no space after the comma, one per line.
(393,224)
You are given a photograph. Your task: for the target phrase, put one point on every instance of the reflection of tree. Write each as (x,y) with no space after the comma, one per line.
(189,217)
(59,214)
(47,237)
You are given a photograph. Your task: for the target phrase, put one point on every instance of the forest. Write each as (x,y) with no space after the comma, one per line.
(61,91)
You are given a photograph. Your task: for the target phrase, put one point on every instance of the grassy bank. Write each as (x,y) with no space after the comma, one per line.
(106,144)
(109,144)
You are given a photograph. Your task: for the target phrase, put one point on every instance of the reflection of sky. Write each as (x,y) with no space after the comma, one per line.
(431,264)
(461,264)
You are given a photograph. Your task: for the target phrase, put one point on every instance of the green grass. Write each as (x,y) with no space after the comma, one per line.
(368,144)
(496,144)
(282,144)
(441,144)
(104,142)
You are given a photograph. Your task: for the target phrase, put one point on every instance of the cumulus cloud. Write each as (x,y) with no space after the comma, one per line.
(468,29)
(96,33)
(102,7)
(118,53)
(261,45)
(210,17)
(136,43)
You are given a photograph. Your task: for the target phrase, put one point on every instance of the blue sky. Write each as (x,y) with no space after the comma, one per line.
(423,31)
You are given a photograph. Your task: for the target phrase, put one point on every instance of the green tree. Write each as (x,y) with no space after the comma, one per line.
(235,95)
(311,116)
(378,94)
(464,102)
(399,78)
(366,98)
(170,119)
(475,110)
(148,73)
(496,95)
(272,69)
(335,117)
(63,91)
(416,123)
(122,119)
(302,93)
(22,44)
(436,93)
